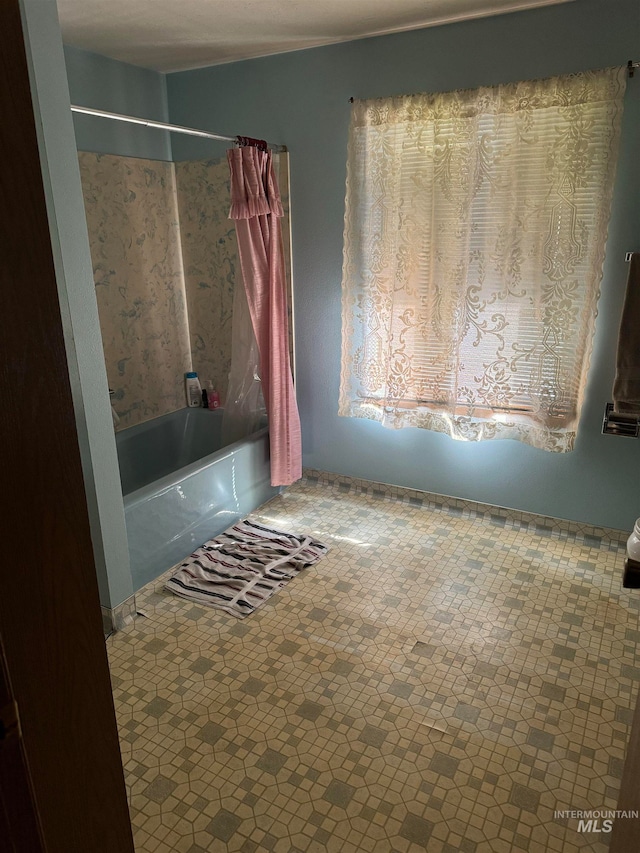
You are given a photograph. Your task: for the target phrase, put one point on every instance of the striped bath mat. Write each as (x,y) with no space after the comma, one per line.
(243,567)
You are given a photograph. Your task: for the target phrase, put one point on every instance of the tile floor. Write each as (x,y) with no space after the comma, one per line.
(437,682)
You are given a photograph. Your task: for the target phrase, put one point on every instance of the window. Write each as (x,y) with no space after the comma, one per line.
(475,229)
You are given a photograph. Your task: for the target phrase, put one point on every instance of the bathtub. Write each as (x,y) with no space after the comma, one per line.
(181,488)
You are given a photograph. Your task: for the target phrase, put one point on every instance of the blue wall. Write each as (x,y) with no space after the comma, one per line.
(78,306)
(106,84)
(301,99)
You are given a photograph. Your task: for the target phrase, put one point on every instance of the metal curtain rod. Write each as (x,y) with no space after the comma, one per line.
(160,125)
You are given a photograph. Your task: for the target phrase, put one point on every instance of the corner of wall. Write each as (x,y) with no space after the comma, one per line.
(70,248)
(165,111)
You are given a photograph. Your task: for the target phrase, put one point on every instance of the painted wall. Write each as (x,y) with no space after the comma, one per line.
(134,235)
(106,84)
(301,99)
(79,310)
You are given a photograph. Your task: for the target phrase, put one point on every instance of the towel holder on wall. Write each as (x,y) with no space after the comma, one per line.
(619,423)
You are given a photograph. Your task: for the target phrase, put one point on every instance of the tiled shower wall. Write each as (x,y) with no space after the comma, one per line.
(132,218)
(211,264)
(211,261)
(165,260)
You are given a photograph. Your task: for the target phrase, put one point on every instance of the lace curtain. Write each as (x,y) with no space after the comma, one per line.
(475,231)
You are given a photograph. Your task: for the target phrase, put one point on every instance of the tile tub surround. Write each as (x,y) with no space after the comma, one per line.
(211,262)
(211,265)
(134,235)
(438,682)
(165,263)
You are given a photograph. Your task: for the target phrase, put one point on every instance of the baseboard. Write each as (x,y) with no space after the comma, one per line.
(592,536)
(116,618)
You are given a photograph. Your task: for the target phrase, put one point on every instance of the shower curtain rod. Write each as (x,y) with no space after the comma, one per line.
(160,125)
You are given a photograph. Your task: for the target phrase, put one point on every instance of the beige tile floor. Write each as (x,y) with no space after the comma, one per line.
(437,682)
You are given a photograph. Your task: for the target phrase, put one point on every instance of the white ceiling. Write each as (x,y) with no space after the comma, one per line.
(173,35)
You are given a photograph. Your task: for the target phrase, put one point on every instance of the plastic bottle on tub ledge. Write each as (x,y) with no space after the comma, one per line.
(631,576)
(192,387)
(213,397)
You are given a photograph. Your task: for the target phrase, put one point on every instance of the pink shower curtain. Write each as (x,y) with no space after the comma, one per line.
(256,209)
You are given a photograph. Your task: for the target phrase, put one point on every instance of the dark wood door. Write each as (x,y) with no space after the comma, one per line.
(625,837)
(19,823)
(50,621)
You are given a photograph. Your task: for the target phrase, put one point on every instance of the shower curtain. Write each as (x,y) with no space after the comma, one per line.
(256,209)
(244,406)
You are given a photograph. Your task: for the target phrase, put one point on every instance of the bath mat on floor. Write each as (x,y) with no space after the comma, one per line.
(243,567)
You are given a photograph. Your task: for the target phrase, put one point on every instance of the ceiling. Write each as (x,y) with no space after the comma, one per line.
(173,35)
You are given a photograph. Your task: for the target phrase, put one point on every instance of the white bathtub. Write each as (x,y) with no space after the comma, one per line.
(181,488)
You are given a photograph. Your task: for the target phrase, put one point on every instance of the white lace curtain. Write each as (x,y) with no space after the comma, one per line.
(475,231)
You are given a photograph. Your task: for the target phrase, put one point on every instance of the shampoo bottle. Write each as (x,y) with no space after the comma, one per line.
(194,392)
